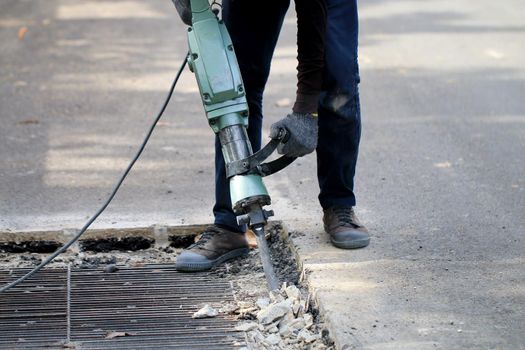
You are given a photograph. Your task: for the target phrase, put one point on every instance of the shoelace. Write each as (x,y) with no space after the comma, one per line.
(345,216)
(205,237)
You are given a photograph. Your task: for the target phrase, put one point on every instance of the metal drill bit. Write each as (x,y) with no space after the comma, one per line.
(264,252)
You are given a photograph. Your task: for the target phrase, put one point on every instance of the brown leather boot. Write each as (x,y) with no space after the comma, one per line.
(344,228)
(215,246)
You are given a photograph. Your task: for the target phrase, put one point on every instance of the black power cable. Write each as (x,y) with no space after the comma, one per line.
(111,196)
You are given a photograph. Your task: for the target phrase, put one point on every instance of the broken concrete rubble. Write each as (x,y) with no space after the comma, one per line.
(273,339)
(306,336)
(273,312)
(292,292)
(283,323)
(205,312)
(265,309)
(262,303)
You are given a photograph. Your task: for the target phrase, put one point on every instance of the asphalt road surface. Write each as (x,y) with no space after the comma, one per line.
(441,174)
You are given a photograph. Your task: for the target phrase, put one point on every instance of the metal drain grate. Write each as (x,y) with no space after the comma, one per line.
(35,312)
(133,308)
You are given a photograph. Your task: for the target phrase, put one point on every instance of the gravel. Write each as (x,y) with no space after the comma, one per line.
(86,260)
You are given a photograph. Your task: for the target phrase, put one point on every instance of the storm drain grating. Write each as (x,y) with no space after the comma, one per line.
(34,313)
(133,308)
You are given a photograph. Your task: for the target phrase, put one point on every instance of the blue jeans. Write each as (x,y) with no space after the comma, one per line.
(254,34)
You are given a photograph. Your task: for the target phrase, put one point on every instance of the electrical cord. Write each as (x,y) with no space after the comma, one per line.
(111,196)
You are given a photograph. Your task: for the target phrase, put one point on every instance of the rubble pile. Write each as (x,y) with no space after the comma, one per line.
(281,321)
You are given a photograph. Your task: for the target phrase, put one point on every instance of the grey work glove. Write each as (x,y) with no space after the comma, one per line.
(301,129)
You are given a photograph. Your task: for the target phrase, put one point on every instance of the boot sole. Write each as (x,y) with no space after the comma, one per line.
(354,244)
(208,265)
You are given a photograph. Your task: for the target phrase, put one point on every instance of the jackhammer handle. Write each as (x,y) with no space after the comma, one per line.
(274,166)
(283,136)
(278,164)
(253,164)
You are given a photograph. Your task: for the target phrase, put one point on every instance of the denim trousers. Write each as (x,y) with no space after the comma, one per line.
(254,28)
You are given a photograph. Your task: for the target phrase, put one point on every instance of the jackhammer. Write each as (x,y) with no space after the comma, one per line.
(212,59)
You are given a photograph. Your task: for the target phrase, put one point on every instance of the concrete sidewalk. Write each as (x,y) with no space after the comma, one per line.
(441,176)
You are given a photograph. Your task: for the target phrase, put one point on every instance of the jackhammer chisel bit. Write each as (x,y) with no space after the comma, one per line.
(256,217)
(264,252)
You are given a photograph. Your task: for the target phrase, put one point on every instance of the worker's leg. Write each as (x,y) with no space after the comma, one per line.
(254,28)
(340,128)
(339,114)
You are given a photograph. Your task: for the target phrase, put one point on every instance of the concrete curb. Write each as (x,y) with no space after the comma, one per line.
(316,299)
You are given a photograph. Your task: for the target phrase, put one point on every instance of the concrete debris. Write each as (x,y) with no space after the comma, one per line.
(206,312)
(244,304)
(256,337)
(297,324)
(292,292)
(285,330)
(306,336)
(273,339)
(262,303)
(229,308)
(100,260)
(273,312)
(272,328)
(296,308)
(282,323)
(308,320)
(112,335)
(248,314)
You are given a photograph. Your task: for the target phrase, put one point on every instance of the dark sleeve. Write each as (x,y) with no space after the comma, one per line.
(311,29)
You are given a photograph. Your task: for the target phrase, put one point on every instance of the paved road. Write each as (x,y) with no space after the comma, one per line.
(441,178)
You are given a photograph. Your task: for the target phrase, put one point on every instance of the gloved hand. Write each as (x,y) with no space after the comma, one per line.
(302,134)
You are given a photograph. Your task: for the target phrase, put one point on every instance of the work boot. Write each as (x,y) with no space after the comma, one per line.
(344,228)
(215,246)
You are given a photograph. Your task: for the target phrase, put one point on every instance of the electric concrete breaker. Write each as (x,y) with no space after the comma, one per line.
(212,59)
